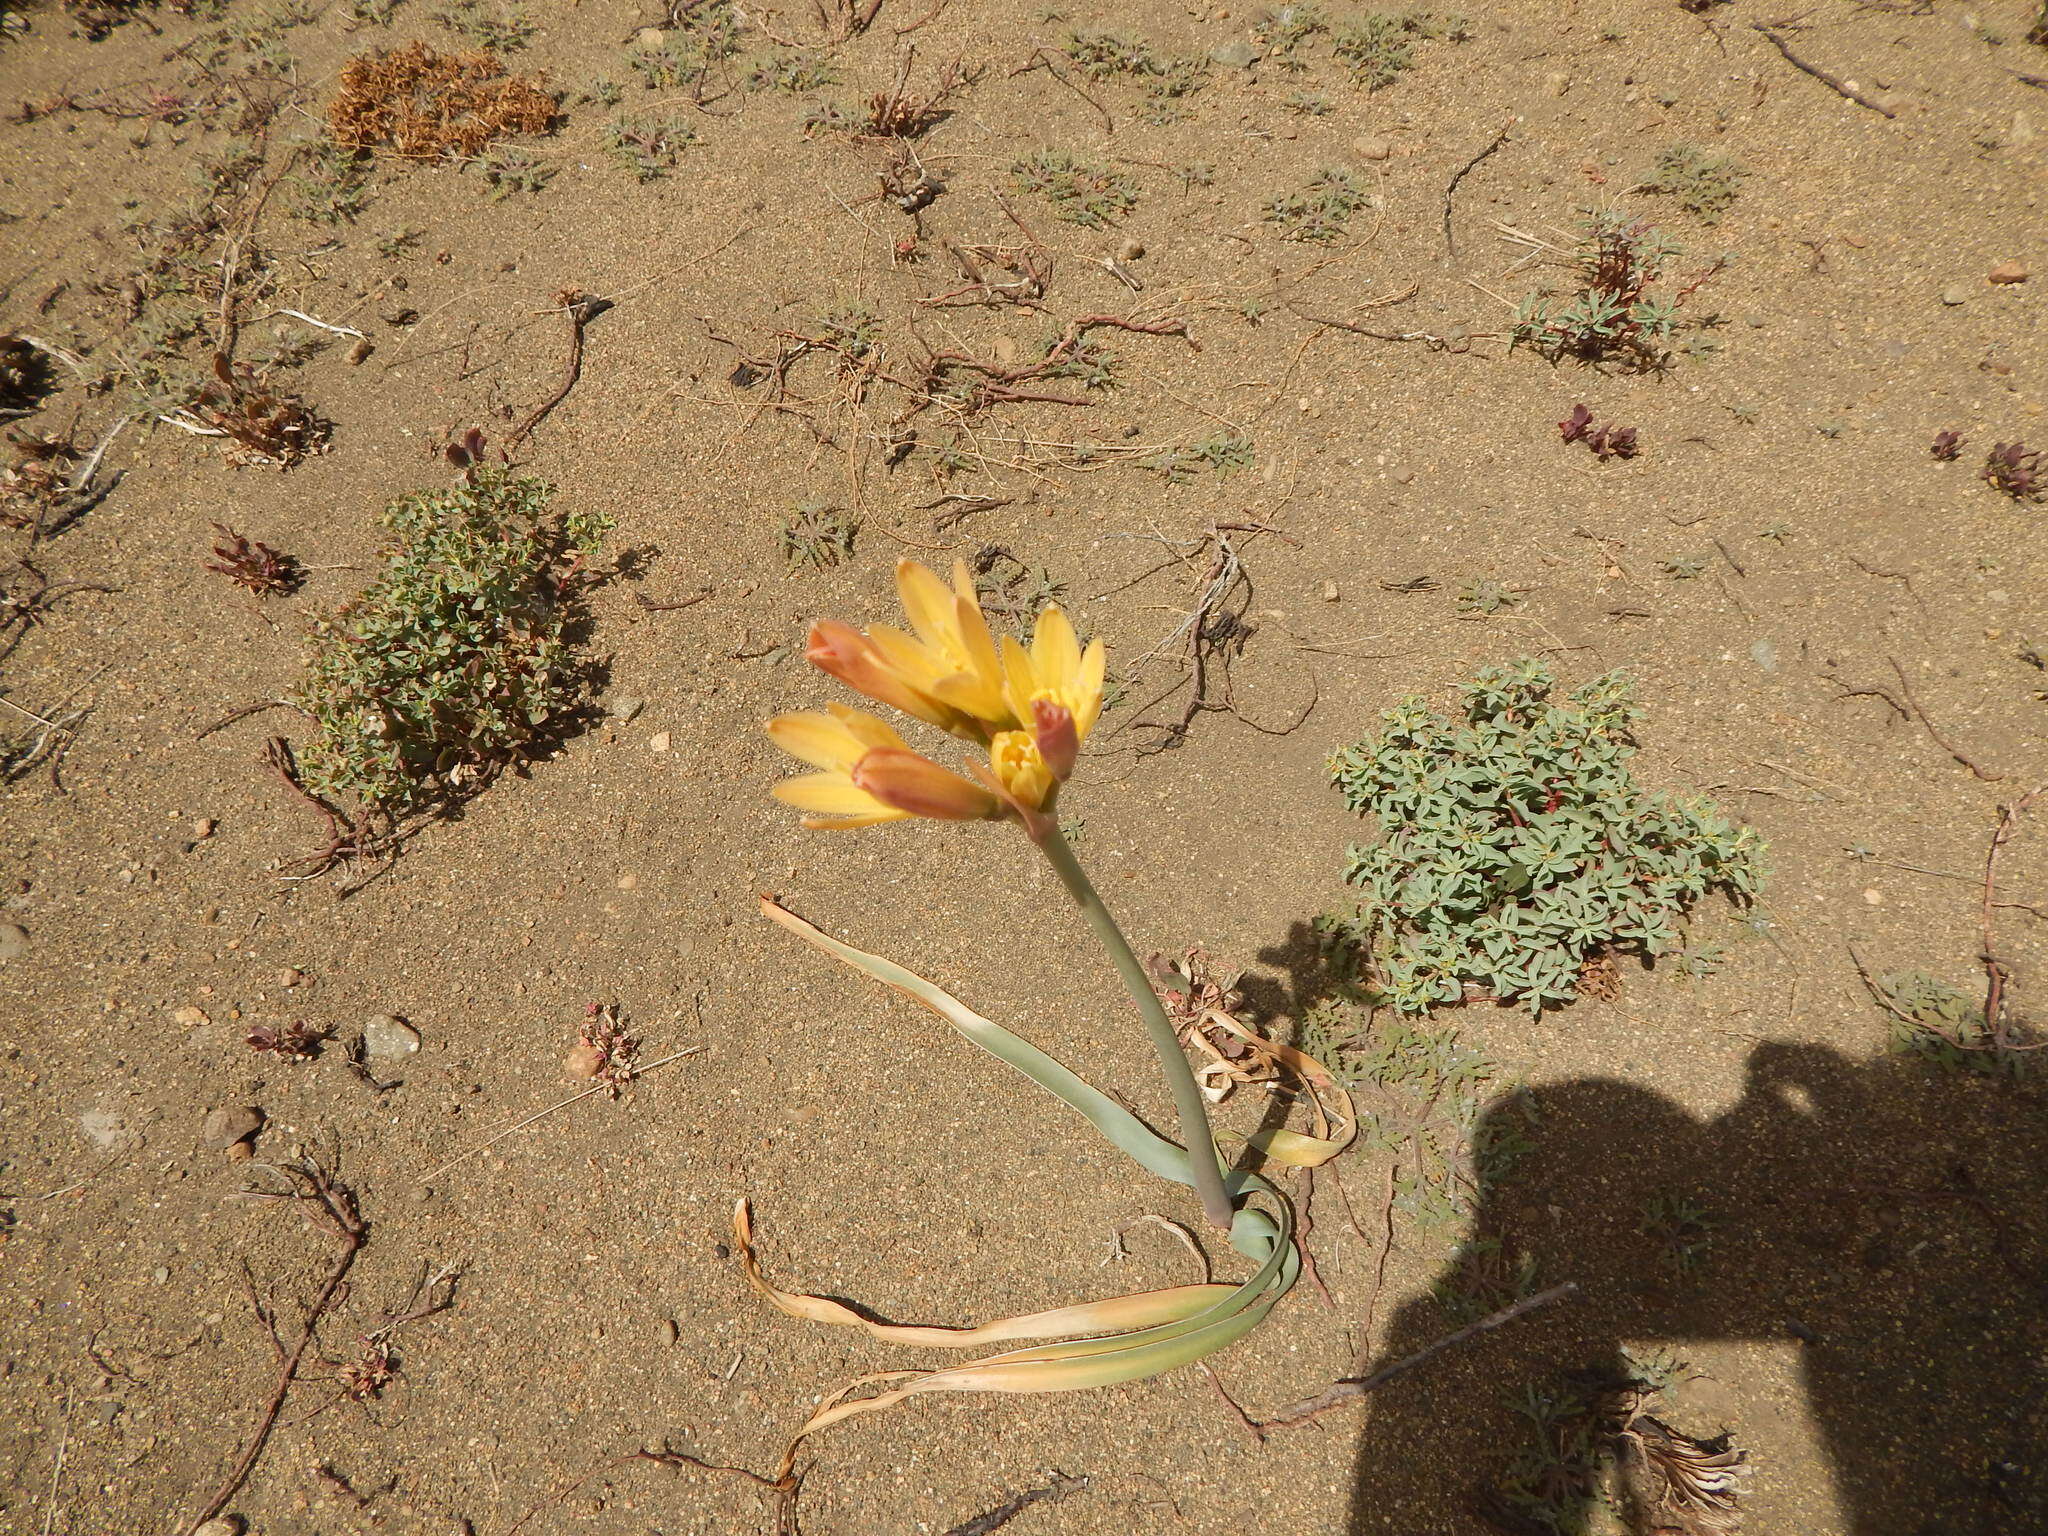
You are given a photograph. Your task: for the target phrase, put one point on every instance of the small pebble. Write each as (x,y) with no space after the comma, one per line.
(1130,250)
(222,1525)
(1405,476)
(623,707)
(1556,84)
(387,1037)
(203,828)
(658,742)
(13,941)
(191,1016)
(160,1276)
(1373,148)
(1955,294)
(2006,272)
(290,976)
(105,1128)
(651,37)
(584,1061)
(1873,896)
(229,1124)
(669,1331)
(1329,592)
(1236,55)
(629,882)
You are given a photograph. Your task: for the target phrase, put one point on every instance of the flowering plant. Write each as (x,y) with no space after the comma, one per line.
(1028,709)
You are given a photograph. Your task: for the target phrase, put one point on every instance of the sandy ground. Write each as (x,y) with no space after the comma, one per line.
(1868,1321)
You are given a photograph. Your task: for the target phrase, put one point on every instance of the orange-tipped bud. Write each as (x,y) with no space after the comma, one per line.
(1059,743)
(904,781)
(844,652)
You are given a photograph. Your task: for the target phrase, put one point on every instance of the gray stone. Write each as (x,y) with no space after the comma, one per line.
(386,1037)
(1236,55)
(1955,293)
(229,1124)
(13,941)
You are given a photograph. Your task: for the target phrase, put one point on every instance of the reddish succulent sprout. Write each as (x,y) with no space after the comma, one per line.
(1947,445)
(2014,469)
(1577,425)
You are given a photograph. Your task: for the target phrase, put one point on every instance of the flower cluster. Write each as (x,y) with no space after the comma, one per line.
(1029,707)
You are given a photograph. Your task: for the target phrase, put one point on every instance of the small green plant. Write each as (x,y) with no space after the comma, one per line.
(1221,453)
(1614,314)
(333,187)
(1684,567)
(648,146)
(1433,1093)
(1308,104)
(506,171)
(1704,184)
(1320,211)
(1479,596)
(1777,533)
(1081,191)
(817,536)
(1378,46)
(1516,848)
(1287,34)
(605,91)
(487,26)
(793,72)
(1682,1228)
(454,662)
(1944,1025)
(393,244)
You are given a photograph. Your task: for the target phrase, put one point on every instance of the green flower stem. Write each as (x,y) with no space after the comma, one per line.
(1180,1077)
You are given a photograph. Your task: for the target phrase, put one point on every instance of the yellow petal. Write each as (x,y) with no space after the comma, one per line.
(823,741)
(1055,653)
(833,794)
(869,731)
(1020,679)
(1087,704)
(926,602)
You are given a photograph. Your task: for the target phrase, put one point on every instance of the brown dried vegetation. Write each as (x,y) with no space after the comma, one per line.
(426,105)
(267,425)
(37,480)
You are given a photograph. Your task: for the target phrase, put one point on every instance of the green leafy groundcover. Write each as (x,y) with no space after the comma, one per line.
(453,661)
(1515,845)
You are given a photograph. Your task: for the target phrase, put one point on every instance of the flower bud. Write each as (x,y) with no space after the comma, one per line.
(904,781)
(841,651)
(1058,742)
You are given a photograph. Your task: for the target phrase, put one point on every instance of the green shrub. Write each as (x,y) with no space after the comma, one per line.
(453,663)
(1515,846)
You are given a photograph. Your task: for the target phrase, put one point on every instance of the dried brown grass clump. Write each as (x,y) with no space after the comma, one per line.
(426,105)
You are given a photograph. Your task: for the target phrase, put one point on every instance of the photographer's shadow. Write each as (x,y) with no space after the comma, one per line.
(1884,1219)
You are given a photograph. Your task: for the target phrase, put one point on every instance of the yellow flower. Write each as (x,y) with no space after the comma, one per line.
(947,671)
(868,775)
(1018,763)
(1054,671)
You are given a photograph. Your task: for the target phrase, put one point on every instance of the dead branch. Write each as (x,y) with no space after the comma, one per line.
(1942,741)
(580,308)
(1839,87)
(1351,1389)
(332,1206)
(1995,973)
